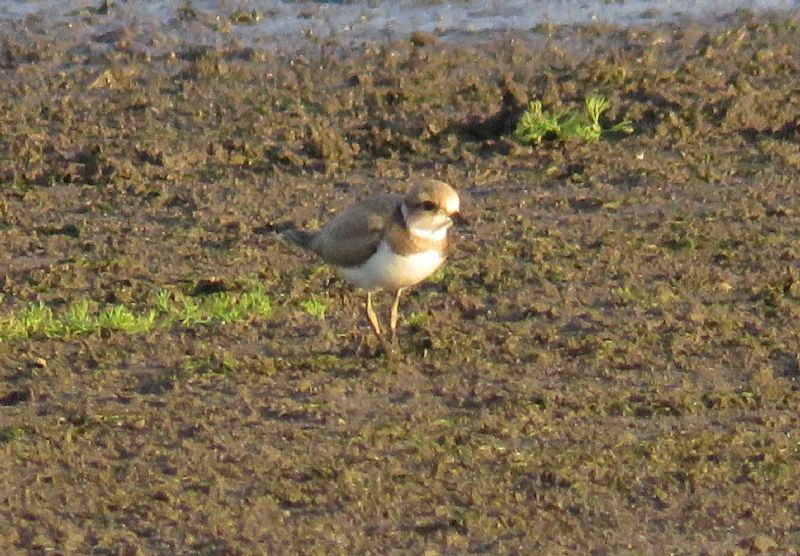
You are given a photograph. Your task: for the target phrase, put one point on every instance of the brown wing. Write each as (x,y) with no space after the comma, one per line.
(354,234)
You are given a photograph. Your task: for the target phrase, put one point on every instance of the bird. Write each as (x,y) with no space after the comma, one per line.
(387,242)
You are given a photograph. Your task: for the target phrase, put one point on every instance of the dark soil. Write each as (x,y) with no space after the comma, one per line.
(609,363)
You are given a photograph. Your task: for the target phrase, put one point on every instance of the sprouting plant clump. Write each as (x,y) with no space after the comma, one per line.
(314,306)
(84,317)
(537,124)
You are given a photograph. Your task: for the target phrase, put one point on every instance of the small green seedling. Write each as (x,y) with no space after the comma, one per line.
(79,319)
(314,307)
(256,303)
(84,317)
(120,318)
(536,124)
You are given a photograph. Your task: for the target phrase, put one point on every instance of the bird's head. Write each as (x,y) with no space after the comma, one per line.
(429,209)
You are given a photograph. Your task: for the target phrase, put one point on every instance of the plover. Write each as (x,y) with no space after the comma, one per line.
(387,242)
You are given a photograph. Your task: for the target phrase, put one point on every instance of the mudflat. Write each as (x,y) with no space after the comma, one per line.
(608,363)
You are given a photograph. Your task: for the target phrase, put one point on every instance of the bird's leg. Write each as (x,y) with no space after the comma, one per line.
(373,318)
(393,314)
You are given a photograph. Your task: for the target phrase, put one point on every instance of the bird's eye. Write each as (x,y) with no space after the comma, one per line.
(428,205)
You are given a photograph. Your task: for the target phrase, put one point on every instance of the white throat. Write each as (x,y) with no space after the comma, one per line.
(437,234)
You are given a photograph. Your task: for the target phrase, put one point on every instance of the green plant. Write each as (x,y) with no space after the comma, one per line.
(222,306)
(7,434)
(79,320)
(418,320)
(35,319)
(81,317)
(536,124)
(256,303)
(189,312)
(163,302)
(314,307)
(120,318)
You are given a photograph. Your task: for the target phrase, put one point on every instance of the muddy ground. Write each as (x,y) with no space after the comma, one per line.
(609,363)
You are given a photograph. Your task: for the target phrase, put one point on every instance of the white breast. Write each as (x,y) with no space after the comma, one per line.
(390,271)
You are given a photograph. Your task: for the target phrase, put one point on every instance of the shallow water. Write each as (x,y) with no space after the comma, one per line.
(156,26)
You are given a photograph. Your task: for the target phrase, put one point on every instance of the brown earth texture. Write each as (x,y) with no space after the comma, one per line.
(607,364)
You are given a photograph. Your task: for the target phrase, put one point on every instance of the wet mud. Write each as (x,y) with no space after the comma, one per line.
(608,364)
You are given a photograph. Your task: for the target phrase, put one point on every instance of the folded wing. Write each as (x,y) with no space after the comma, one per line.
(354,234)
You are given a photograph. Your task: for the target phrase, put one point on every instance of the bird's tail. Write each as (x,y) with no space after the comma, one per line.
(300,237)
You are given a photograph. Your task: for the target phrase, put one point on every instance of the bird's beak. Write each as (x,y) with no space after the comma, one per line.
(458,219)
